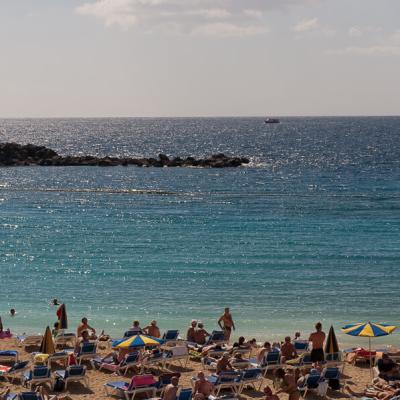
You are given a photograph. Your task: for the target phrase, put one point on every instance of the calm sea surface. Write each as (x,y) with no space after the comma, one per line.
(309,231)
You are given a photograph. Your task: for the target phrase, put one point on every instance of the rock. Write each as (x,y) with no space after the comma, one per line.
(14,154)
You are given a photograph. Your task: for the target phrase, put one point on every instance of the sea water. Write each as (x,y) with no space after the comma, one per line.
(309,231)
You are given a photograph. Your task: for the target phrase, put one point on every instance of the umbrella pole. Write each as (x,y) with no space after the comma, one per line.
(370,358)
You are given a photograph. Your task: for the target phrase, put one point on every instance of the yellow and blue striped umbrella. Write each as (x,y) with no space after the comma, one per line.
(369,329)
(137,341)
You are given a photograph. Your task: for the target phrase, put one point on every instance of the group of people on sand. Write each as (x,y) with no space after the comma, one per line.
(151,330)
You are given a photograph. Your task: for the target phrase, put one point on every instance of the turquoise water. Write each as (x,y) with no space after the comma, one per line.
(309,231)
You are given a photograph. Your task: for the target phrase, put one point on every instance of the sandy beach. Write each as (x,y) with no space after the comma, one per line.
(357,377)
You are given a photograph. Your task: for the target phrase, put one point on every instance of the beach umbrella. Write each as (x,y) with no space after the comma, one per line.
(369,330)
(62,317)
(137,341)
(47,345)
(331,346)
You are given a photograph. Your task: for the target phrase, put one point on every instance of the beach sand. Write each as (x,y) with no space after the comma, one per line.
(356,376)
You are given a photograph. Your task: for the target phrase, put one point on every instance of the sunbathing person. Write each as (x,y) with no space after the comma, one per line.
(84,326)
(224,364)
(200,334)
(190,335)
(388,369)
(202,388)
(84,338)
(380,390)
(263,352)
(135,329)
(286,383)
(212,347)
(288,351)
(171,390)
(152,329)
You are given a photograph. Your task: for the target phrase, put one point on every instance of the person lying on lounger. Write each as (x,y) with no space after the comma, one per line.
(388,369)
(380,390)
(263,352)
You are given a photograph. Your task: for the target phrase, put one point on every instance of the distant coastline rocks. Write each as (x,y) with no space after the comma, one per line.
(14,154)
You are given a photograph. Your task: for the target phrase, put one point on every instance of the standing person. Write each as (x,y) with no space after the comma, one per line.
(226,323)
(317,339)
(152,329)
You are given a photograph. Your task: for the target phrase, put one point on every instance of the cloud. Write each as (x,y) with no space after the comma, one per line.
(355,31)
(367,50)
(224,18)
(306,25)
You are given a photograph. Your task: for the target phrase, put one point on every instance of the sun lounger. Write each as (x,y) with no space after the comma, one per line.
(153,360)
(185,394)
(271,361)
(330,373)
(242,364)
(216,337)
(26,396)
(311,383)
(40,374)
(139,384)
(59,356)
(64,339)
(301,346)
(164,380)
(250,377)
(226,380)
(170,337)
(87,351)
(31,340)
(74,373)
(9,356)
(177,353)
(15,371)
(131,360)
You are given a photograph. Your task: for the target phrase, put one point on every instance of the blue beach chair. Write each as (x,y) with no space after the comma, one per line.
(74,373)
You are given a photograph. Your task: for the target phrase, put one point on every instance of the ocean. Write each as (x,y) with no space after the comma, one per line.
(309,231)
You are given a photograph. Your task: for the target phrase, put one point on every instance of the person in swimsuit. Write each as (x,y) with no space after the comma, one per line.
(152,329)
(191,332)
(226,324)
(171,390)
(317,339)
(286,384)
(202,388)
(84,326)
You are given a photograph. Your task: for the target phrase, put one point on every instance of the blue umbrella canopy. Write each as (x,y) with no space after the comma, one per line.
(369,329)
(137,341)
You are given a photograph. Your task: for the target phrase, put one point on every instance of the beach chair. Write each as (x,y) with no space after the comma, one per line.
(131,360)
(139,384)
(31,340)
(216,337)
(74,373)
(270,362)
(177,353)
(332,373)
(185,394)
(16,370)
(306,360)
(170,337)
(87,351)
(64,339)
(154,360)
(59,356)
(301,346)
(311,383)
(9,356)
(226,380)
(164,380)
(251,377)
(242,364)
(38,375)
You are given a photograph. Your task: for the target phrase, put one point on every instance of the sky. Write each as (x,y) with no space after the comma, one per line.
(180,58)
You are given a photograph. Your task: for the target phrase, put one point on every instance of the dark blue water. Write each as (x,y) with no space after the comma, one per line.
(309,231)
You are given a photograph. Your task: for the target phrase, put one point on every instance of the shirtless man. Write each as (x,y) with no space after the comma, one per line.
(202,388)
(171,390)
(226,323)
(84,326)
(84,338)
(317,339)
(190,335)
(223,364)
(288,351)
(152,329)
(200,334)
(262,353)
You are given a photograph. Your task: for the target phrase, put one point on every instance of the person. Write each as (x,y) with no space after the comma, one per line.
(55,302)
(223,364)
(200,334)
(286,384)
(296,335)
(84,326)
(269,394)
(135,328)
(190,335)
(317,339)
(288,351)
(55,329)
(226,323)
(388,369)
(379,390)
(13,312)
(262,353)
(171,390)
(152,329)
(202,388)
(84,338)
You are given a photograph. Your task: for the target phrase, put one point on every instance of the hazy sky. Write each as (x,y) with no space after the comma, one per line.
(199,57)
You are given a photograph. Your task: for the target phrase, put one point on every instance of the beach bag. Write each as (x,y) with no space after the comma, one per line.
(58,385)
(322,388)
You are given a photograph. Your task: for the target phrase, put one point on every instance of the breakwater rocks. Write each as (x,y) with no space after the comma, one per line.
(14,154)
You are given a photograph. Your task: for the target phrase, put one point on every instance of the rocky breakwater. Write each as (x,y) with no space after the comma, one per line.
(14,154)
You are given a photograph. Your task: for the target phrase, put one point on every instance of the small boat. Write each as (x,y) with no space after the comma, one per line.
(272,121)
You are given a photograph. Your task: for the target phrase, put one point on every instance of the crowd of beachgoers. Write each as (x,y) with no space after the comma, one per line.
(201,365)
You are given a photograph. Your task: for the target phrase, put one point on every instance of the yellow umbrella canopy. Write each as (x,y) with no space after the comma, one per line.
(47,345)
(137,341)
